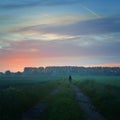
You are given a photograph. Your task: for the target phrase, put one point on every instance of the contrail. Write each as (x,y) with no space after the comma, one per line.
(89,10)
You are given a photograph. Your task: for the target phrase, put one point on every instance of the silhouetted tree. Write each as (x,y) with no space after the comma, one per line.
(18,73)
(8,72)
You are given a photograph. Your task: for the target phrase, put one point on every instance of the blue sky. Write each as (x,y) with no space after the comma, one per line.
(54,32)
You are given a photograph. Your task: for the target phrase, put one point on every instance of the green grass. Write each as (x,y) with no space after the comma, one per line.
(17,99)
(108,80)
(104,95)
(6,81)
(63,105)
(17,94)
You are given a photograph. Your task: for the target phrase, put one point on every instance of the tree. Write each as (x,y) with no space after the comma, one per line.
(8,72)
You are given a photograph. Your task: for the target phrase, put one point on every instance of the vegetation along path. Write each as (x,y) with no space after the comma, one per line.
(85,104)
(38,111)
(61,104)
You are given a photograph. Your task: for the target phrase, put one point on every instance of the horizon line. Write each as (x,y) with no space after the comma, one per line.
(60,66)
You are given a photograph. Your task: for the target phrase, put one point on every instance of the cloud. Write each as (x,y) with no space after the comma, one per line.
(64,48)
(27,3)
(65,52)
(96,26)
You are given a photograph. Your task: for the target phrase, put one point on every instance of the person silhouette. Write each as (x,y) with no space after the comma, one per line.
(70,78)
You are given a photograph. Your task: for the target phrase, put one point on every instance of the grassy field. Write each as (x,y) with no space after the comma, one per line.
(20,93)
(104,92)
(16,96)
(7,81)
(108,80)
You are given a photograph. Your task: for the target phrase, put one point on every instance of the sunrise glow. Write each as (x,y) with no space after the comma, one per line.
(59,33)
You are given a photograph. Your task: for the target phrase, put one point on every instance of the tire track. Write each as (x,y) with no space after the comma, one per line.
(85,104)
(38,111)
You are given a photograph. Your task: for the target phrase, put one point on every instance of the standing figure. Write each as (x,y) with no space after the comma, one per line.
(70,78)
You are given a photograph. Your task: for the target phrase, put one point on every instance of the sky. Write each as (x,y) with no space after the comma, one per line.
(37,33)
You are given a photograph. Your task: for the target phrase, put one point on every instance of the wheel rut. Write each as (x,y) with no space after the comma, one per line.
(38,111)
(85,104)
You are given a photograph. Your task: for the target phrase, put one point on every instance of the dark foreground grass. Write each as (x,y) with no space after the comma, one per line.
(17,99)
(105,97)
(63,106)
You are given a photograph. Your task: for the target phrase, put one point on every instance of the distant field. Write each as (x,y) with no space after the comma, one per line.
(108,80)
(25,80)
(22,80)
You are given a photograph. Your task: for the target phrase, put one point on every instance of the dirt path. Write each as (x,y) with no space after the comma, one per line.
(85,104)
(38,111)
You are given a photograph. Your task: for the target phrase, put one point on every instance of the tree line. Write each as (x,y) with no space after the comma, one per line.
(67,70)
